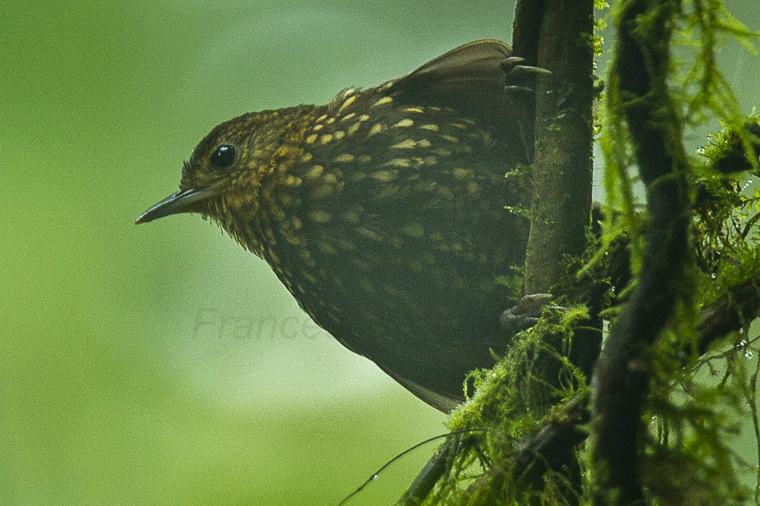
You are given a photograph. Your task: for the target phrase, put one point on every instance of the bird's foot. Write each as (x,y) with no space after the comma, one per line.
(526,313)
(515,73)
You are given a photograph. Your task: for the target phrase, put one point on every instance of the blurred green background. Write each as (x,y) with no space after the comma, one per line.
(163,364)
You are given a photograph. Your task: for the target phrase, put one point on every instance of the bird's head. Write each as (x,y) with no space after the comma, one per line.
(227,167)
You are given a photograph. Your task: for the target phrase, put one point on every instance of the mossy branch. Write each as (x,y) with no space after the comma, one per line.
(562,165)
(640,69)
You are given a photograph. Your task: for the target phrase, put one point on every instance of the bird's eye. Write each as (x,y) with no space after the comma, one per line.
(223,156)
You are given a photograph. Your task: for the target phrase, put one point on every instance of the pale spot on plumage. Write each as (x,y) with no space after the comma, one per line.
(399,162)
(384,175)
(330,121)
(314,172)
(376,129)
(430,126)
(458,125)
(414,230)
(363,158)
(445,192)
(321,118)
(306,157)
(311,314)
(352,217)
(436,236)
(404,123)
(346,245)
(415,109)
(460,173)
(308,277)
(330,178)
(424,186)
(350,100)
(450,138)
(344,158)
(293,181)
(387,191)
(430,160)
(353,128)
(318,127)
(348,116)
(364,117)
(423,143)
(326,138)
(382,101)
(369,234)
(339,134)
(297,224)
(405,144)
(473,188)
(319,216)
(326,248)
(322,191)
(311,138)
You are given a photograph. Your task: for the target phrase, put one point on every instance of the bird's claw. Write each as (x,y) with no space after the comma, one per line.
(526,313)
(514,70)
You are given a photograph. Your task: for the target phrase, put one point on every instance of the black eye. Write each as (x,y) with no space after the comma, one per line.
(223,156)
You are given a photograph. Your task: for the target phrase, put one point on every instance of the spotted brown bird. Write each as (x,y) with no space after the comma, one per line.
(386,213)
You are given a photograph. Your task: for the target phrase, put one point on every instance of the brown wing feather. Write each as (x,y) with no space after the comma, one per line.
(468,79)
(477,60)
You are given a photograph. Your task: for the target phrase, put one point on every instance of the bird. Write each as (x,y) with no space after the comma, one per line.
(394,215)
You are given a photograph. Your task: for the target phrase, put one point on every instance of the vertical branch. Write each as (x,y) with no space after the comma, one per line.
(560,35)
(621,378)
(562,166)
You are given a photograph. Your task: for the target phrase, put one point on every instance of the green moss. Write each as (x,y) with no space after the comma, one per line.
(689,450)
(510,402)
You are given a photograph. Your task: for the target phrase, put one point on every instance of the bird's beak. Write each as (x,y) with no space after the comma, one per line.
(183,201)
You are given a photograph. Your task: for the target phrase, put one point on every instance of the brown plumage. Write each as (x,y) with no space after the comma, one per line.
(386,213)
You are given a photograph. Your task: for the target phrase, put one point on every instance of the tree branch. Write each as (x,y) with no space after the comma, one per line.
(562,168)
(621,376)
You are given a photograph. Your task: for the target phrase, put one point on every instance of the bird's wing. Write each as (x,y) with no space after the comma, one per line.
(469,79)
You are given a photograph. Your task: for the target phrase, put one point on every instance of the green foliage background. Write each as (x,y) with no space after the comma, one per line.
(162,364)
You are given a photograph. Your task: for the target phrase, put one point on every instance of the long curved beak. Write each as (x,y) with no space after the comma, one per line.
(183,201)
